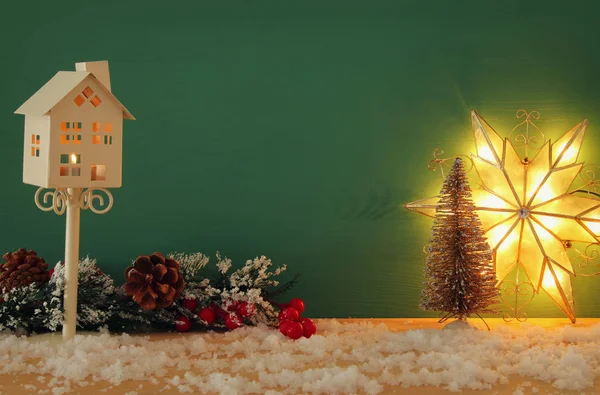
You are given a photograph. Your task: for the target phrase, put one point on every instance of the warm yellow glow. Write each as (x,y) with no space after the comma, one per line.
(549,222)
(545,193)
(548,282)
(569,155)
(489,200)
(497,233)
(73,158)
(486,153)
(593,226)
(527,210)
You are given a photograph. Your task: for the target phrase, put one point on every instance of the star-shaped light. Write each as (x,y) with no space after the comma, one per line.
(526,209)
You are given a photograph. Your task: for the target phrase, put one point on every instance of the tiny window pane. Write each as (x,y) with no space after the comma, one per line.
(37,152)
(64,171)
(76,171)
(32,151)
(108,127)
(64,158)
(96,139)
(96,127)
(95,101)
(98,173)
(87,92)
(110,140)
(64,139)
(33,139)
(63,126)
(79,100)
(68,125)
(37,139)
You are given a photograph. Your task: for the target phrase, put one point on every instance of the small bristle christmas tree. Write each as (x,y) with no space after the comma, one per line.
(459,273)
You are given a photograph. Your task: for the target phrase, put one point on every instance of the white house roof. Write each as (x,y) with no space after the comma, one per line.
(56,89)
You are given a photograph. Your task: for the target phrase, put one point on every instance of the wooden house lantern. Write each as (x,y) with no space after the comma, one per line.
(73,151)
(74,131)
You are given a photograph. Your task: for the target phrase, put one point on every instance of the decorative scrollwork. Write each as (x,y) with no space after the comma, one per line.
(437,161)
(427,248)
(513,290)
(52,200)
(95,202)
(588,257)
(59,198)
(590,184)
(526,140)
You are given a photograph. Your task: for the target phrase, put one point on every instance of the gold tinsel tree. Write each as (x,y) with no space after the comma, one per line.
(459,273)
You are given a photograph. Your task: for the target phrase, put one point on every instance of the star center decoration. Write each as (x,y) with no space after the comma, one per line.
(528,213)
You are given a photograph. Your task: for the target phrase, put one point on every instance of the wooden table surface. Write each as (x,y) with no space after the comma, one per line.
(23,384)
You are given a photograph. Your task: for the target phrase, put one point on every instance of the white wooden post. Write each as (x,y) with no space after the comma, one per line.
(71,262)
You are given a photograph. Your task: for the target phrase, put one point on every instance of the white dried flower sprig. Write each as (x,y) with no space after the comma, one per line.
(244,284)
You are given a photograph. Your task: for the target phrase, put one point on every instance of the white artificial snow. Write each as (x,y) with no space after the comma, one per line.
(340,359)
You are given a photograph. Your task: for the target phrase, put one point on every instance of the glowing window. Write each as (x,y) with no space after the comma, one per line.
(95,101)
(108,127)
(70,132)
(98,173)
(70,164)
(35,141)
(87,92)
(79,100)
(95,126)
(96,139)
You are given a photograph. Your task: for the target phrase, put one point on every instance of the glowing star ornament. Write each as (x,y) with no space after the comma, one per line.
(528,214)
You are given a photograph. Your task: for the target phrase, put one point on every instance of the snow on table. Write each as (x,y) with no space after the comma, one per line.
(346,357)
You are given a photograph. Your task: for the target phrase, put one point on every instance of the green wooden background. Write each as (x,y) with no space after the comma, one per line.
(295,129)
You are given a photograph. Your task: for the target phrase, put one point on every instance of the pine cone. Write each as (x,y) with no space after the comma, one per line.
(22,268)
(154,281)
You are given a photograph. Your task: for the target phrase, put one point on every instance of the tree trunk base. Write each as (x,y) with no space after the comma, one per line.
(460,325)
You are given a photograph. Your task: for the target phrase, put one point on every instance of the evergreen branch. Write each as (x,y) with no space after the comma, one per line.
(282,289)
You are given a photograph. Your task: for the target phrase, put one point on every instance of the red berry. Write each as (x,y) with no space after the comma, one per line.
(190,304)
(183,324)
(233,306)
(294,330)
(310,328)
(289,313)
(218,310)
(298,304)
(246,309)
(233,321)
(208,315)
(283,326)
